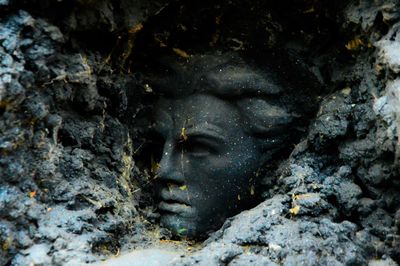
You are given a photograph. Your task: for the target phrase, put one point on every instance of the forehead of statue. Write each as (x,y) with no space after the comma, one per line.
(195,113)
(226,74)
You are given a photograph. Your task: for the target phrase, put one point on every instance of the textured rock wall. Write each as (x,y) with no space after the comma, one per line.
(68,182)
(73,119)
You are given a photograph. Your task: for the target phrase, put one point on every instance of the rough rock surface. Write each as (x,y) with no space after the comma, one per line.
(73,185)
(68,182)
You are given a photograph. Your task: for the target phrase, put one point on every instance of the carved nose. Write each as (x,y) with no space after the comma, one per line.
(169,170)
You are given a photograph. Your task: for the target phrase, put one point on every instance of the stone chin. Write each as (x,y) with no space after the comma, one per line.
(179,225)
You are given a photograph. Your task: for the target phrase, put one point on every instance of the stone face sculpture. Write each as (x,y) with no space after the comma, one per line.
(221,119)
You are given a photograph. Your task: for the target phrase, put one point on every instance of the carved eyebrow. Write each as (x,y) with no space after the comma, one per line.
(238,80)
(206,130)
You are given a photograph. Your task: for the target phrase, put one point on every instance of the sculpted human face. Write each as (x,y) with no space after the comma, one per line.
(208,163)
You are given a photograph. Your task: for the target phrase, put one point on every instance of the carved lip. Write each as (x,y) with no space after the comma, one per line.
(174,195)
(176,209)
(173,201)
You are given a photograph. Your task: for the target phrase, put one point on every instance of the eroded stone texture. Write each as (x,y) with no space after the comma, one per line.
(269,234)
(66,168)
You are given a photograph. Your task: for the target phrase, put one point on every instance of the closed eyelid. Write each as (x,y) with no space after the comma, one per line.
(206,137)
(206,141)
(206,130)
(202,145)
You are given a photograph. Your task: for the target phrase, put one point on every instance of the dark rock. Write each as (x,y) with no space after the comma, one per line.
(71,111)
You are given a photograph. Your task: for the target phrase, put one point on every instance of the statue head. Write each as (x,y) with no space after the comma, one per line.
(222,118)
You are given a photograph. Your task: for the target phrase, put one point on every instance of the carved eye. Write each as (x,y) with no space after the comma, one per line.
(198,147)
